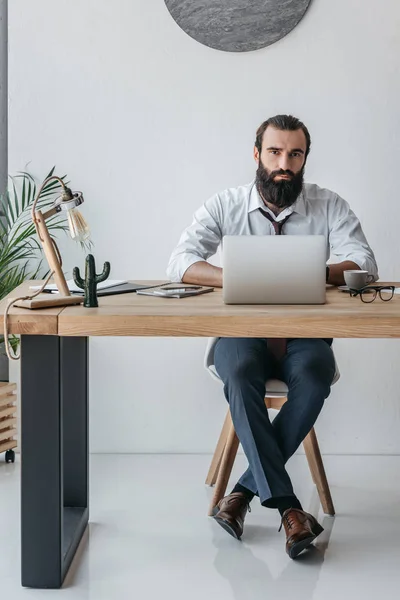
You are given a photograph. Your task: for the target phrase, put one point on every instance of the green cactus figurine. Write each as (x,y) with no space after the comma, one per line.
(89,284)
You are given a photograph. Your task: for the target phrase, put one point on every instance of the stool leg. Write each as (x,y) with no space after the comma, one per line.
(317,469)
(310,458)
(219,451)
(225,470)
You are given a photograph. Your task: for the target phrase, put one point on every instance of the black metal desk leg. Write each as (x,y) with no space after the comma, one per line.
(54,459)
(74,395)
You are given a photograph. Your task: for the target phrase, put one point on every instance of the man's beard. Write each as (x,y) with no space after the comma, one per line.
(283,192)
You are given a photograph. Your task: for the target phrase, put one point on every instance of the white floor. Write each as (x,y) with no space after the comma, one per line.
(150,538)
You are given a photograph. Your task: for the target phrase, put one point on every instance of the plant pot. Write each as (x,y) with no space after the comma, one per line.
(3,364)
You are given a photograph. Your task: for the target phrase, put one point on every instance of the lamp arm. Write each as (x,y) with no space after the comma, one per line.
(49,213)
(45,182)
(50,247)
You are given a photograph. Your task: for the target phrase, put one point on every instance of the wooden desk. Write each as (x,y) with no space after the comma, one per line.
(54,391)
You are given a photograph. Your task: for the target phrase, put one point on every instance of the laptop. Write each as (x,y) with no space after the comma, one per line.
(274,269)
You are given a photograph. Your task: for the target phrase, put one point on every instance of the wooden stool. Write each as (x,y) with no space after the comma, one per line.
(226,450)
(8,420)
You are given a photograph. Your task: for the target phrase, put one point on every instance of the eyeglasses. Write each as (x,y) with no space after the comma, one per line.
(370,292)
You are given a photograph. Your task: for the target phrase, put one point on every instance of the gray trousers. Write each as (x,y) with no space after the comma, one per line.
(244,365)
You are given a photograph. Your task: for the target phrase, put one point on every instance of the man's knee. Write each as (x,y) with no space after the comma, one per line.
(237,364)
(310,362)
(316,379)
(242,373)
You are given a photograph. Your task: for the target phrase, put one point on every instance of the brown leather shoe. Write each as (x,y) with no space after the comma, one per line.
(301,530)
(230,513)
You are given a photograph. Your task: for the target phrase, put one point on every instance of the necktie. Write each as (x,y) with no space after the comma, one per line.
(277,346)
(277,225)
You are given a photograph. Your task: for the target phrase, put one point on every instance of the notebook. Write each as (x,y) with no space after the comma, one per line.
(124,288)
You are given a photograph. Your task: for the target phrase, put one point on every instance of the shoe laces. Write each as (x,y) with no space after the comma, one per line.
(289,521)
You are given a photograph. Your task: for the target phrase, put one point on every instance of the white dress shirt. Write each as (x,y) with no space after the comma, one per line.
(235,212)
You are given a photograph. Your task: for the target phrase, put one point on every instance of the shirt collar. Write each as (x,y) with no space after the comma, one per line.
(255,203)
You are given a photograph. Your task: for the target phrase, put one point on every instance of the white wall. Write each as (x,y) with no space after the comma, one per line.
(149,123)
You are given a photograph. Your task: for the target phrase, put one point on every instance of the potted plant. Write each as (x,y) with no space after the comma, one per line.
(20,251)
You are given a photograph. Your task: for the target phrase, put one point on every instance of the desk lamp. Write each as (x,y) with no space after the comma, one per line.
(68,203)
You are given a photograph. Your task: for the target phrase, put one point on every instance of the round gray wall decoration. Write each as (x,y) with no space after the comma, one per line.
(237,25)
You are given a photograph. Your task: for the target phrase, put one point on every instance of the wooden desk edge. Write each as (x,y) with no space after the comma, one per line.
(23,321)
(230,326)
(21,324)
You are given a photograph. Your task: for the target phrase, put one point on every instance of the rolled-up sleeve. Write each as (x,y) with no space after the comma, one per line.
(198,242)
(347,239)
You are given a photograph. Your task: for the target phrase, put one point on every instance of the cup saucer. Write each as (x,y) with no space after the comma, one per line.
(343,288)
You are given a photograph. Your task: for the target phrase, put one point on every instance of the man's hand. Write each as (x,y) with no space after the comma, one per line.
(336,271)
(202,273)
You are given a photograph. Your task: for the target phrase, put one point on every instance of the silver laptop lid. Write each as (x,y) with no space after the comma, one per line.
(274,269)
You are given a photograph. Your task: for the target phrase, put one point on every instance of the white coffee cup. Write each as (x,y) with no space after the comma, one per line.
(357,279)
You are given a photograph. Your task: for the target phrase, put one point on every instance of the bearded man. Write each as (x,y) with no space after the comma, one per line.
(276,202)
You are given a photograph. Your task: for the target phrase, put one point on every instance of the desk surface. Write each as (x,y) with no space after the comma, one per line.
(207,315)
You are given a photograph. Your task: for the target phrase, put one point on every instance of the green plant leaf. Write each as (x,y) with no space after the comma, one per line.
(51,173)
(13,202)
(23,200)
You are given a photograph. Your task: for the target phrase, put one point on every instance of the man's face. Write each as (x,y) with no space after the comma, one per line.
(280,166)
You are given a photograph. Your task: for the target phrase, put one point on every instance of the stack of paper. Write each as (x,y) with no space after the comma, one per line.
(51,287)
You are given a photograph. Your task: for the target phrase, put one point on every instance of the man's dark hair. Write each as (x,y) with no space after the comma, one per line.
(284,123)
